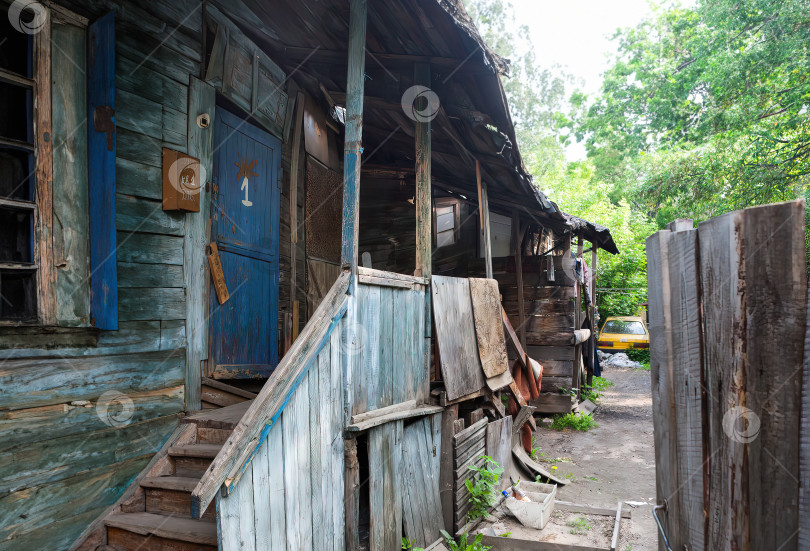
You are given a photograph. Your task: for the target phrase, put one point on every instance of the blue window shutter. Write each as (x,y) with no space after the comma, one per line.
(101,173)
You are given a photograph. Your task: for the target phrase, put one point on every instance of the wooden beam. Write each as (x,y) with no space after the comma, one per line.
(517,239)
(295,154)
(424,218)
(593,306)
(483,207)
(352,154)
(577,325)
(396,415)
(614,541)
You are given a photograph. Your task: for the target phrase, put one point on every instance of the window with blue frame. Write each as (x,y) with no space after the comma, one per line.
(57,168)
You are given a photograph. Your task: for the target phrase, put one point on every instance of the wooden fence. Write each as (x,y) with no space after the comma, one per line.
(728,321)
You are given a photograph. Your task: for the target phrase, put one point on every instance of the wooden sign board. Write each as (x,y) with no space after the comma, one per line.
(182,181)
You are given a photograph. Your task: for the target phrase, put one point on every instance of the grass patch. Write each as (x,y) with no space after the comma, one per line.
(576,421)
(594,392)
(482,487)
(578,526)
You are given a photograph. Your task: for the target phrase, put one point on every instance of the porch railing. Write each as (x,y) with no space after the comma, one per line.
(264,412)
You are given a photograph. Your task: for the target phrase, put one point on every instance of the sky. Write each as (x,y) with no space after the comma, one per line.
(575,35)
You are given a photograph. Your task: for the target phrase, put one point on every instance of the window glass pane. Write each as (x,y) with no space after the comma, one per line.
(623,327)
(16,174)
(15,46)
(15,112)
(15,239)
(18,295)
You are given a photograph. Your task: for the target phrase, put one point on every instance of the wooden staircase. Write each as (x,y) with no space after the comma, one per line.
(155,514)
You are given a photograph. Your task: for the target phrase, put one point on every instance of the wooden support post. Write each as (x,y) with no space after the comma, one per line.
(424,215)
(575,379)
(354,132)
(593,308)
(424,218)
(483,208)
(295,154)
(517,240)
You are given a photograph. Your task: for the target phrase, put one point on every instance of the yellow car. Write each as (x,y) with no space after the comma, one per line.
(623,332)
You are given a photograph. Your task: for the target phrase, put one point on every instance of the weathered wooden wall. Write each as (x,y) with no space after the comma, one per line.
(388,357)
(291,496)
(728,326)
(64,458)
(77,459)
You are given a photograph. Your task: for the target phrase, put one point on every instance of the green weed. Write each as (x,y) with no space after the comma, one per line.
(482,487)
(464,544)
(579,526)
(576,421)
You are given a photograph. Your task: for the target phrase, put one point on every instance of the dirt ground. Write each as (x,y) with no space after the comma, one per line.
(613,462)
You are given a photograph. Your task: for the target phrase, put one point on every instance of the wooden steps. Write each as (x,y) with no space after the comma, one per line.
(155,513)
(148,531)
(216,394)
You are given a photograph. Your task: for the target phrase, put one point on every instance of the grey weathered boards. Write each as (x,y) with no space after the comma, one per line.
(291,496)
(419,472)
(499,445)
(389,348)
(728,316)
(385,486)
(455,332)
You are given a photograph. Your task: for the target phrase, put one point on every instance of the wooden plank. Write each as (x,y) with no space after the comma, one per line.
(575,377)
(217,275)
(407,305)
(754,283)
(295,153)
(352,496)
(449,416)
(393,276)
(499,445)
(353,144)
(386,348)
(614,541)
(268,405)
(296,470)
(483,209)
(533,467)
(367,350)
(101,153)
(401,406)
(336,446)
(687,384)
(393,416)
(517,248)
(469,432)
(589,509)
(455,331)
(488,326)
(201,100)
(43,175)
(317,482)
(513,544)
(70,221)
(384,486)
(46,382)
(661,374)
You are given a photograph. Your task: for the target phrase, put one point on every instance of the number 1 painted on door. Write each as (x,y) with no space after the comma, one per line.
(247,202)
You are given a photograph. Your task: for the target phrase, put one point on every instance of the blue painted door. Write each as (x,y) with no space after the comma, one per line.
(245,202)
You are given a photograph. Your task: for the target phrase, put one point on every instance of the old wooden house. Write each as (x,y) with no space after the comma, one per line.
(212,335)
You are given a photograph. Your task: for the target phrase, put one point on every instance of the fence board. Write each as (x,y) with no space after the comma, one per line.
(687,383)
(661,360)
